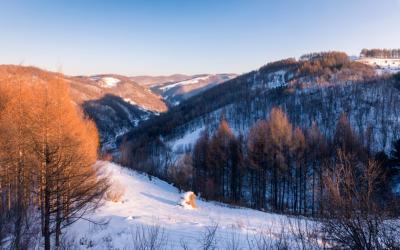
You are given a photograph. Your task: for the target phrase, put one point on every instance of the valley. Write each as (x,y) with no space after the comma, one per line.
(199,125)
(262,151)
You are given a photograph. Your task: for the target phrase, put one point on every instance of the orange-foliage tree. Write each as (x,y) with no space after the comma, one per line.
(47,155)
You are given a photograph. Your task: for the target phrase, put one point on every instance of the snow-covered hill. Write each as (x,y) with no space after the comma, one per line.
(94,87)
(147,203)
(116,103)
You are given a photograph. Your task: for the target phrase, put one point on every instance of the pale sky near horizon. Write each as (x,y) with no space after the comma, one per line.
(156,37)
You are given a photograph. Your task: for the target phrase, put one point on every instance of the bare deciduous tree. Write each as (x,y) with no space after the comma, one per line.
(353,217)
(151,237)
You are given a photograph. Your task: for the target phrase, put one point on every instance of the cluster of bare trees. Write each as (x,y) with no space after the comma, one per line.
(327,68)
(356,216)
(287,169)
(47,152)
(278,167)
(380,53)
(217,162)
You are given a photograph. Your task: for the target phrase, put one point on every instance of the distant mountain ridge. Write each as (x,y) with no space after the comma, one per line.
(114,102)
(96,86)
(117,103)
(151,81)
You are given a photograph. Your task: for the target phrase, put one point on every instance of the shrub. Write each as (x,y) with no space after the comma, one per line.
(115,192)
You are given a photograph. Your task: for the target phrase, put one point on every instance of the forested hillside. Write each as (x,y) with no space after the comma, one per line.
(114,102)
(317,137)
(381,53)
(319,96)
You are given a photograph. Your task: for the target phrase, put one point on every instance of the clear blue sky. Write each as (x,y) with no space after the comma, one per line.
(158,37)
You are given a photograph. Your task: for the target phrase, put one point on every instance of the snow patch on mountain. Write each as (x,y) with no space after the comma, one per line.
(383,65)
(187,140)
(130,101)
(277,79)
(110,82)
(273,80)
(106,81)
(187,82)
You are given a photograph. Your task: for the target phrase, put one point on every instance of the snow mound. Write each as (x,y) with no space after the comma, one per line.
(188,200)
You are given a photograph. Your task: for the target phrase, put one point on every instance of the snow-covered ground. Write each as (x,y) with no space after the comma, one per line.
(107,81)
(153,202)
(382,64)
(187,140)
(110,82)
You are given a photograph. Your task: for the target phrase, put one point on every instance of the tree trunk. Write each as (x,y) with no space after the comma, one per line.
(46,233)
(264,187)
(313,192)
(305,190)
(58,219)
(275,188)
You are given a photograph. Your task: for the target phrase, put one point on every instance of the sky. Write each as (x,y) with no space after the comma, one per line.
(162,37)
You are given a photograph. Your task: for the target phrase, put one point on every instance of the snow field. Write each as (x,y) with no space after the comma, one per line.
(147,203)
(110,82)
(383,64)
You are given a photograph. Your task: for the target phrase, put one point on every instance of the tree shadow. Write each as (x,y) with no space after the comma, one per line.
(160,199)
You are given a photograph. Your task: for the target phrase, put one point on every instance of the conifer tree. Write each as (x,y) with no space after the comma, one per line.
(47,153)
(258,157)
(279,146)
(219,157)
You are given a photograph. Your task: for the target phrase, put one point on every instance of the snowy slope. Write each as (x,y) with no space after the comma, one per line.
(187,82)
(175,92)
(187,140)
(154,202)
(110,82)
(383,64)
(105,81)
